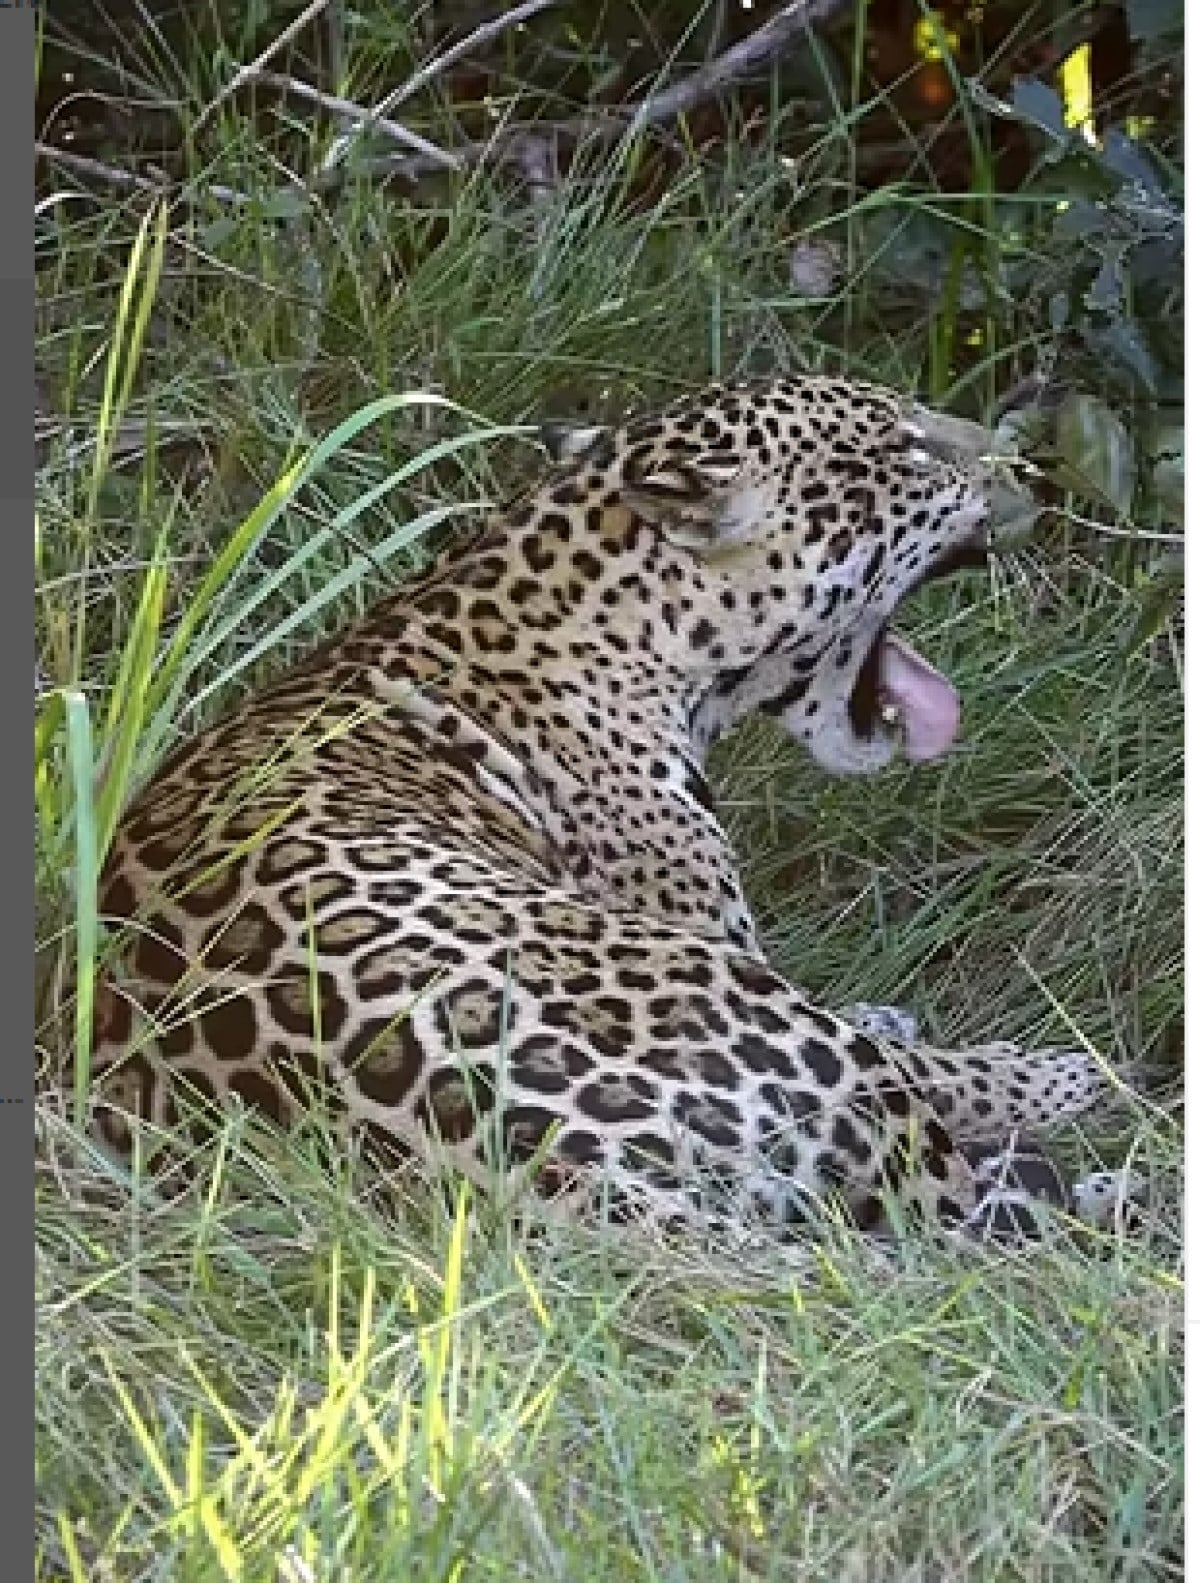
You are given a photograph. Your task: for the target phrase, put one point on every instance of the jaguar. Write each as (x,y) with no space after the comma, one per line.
(458,876)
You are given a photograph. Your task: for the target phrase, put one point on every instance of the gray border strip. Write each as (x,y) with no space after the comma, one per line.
(16,636)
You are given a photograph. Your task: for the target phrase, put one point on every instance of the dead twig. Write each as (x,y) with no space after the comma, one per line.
(412,167)
(429,154)
(249,73)
(349,111)
(483,34)
(82,165)
(766,43)
(128,180)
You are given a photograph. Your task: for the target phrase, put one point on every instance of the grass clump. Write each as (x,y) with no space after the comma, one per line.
(265,416)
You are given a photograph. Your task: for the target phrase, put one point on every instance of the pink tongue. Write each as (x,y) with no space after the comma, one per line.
(925,700)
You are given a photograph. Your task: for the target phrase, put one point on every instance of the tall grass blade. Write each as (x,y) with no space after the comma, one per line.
(127,702)
(79,755)
(138,291)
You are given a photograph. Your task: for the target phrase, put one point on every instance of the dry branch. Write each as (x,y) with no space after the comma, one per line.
(249,73)
(483,34)
(765,45)
(349,111)
(126,180)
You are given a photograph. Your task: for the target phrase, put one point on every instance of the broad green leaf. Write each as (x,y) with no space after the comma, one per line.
(181,656)
(1126,160)
(1096,448)
(138,290)
(298,619)
(127,702)
(1122,340)
(1039,105)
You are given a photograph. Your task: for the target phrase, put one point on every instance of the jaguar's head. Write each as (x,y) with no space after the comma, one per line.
(810,508)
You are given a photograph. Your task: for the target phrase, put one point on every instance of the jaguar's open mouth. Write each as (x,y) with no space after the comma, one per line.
(897,689)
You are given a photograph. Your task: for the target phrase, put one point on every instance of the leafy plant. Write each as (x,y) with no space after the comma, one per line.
(1106,278)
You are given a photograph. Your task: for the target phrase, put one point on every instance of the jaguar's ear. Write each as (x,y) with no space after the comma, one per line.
(701,502)
(566,443)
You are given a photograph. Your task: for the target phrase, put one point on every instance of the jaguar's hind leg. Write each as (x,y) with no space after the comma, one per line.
(1015,1178)
(985,1093)
(982,1089)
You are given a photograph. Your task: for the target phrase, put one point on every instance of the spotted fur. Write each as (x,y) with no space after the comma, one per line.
(460,873)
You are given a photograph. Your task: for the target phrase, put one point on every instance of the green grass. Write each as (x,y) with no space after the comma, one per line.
(267,423)
(273,1362)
